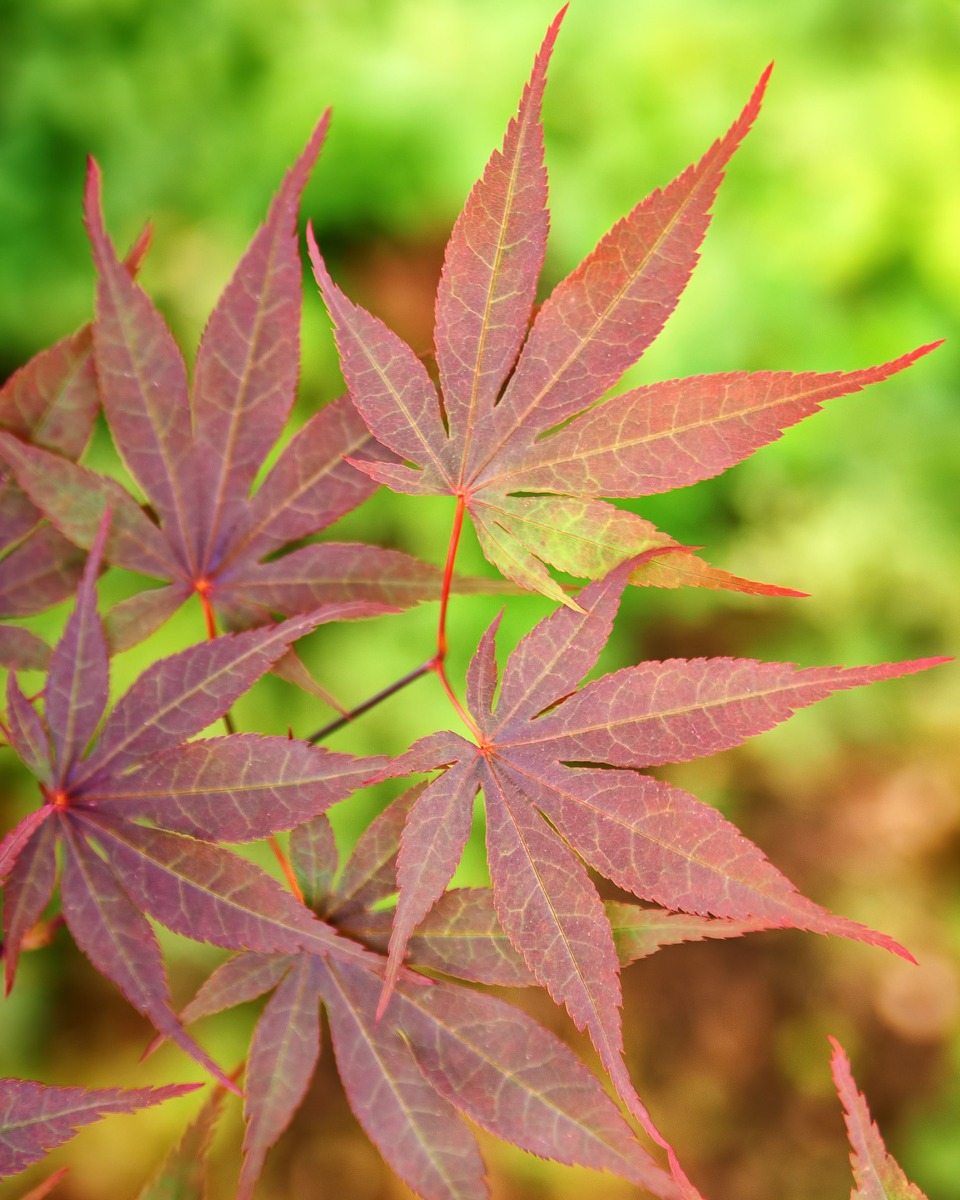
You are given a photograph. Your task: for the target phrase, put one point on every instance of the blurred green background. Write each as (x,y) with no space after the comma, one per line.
(835,245)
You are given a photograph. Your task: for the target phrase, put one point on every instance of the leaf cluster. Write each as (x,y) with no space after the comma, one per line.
(140,800)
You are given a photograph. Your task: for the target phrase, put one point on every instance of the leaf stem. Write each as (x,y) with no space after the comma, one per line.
(436,664)
(203,591)
(374,700)
(462,713)
(286,868)
(439,663)
(448,577)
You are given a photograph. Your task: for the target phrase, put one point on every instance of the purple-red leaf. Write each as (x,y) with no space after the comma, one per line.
(433,839)
(179,696)
(602,317)
(27,892)
(113,933)
(143,384)
(75,498)
(41,571)
(233,789)
(79,677)
(35,1118)
(283,1054)
(492,263)
(415,1129)
(553,915)
(22,650)
(518,1081)
(548,809)
(328,573)
(205,892)
(115,868)
(666,846)
(14,842)
(877,1176)
(671,434)
(248,363)
(241,978)
(196,457)
(440,1048)
(520,431)
(688,708)
(26,731)
(51,402)
(310,485)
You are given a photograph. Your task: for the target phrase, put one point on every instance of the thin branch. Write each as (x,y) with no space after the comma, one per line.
(374,700)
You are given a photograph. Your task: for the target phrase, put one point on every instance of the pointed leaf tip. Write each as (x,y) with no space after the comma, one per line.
(877,1175)
(35,1118)
(93,201)
(96,550)
(316,258)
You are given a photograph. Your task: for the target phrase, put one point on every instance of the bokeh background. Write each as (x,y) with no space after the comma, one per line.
(835,245)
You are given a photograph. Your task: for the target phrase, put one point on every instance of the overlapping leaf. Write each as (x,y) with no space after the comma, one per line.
(443,1050)
(558,770)
(51,403)
(100,788)
(483,1057)
(195,455)
(877,1176)
(35,1118)
(515,432)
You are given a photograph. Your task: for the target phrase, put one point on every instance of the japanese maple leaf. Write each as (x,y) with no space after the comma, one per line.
(462,935)
(195,454)
(50,402)
(516,433)
(443,1051)
(35,1118)
(182,1175)
(877,1176)
(558,768)
(116,869)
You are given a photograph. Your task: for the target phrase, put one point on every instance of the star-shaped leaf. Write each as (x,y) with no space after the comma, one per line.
(195,452)
(443,1051)
(516,432)
(558,768)
(103,775)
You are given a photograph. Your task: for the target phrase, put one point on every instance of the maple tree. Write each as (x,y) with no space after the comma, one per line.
(140,800)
